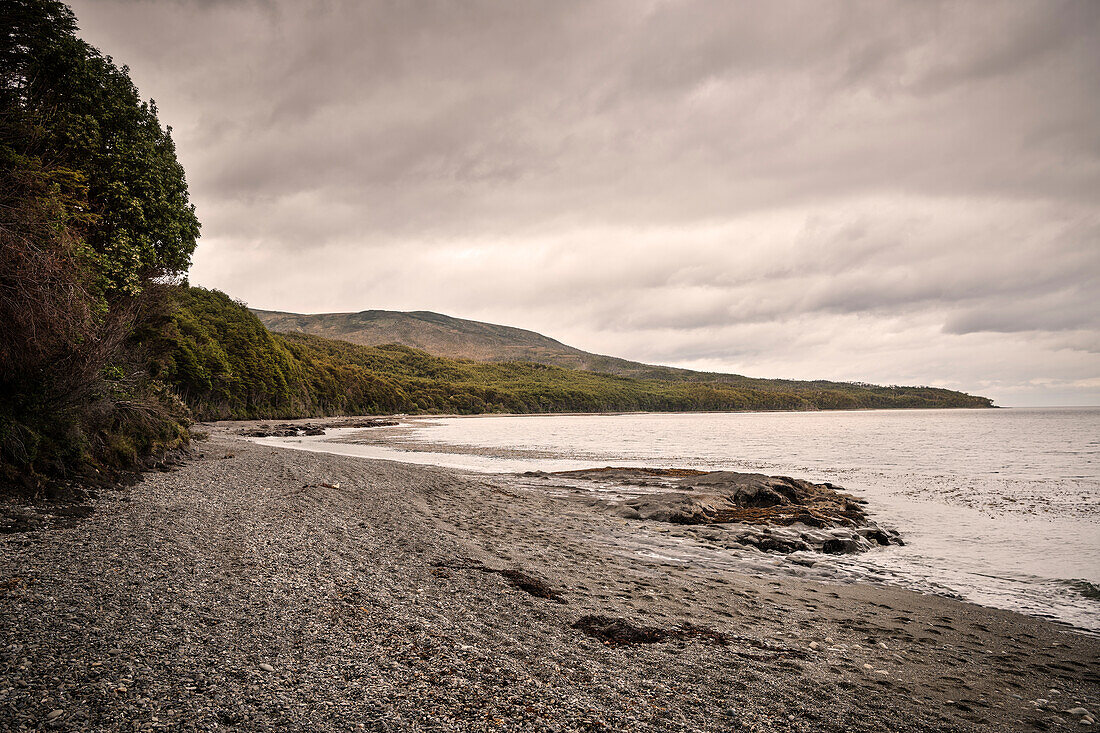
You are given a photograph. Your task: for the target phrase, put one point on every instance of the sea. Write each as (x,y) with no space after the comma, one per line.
(999,507)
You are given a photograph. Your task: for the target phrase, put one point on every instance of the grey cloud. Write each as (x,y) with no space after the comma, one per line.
(375,91)
(1057,311)
(1037,33)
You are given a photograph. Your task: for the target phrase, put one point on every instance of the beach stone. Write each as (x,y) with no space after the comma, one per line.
(1079,711)
(842,546)
(879,535)
(287,558)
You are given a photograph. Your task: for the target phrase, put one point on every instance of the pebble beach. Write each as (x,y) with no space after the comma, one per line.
(260,588)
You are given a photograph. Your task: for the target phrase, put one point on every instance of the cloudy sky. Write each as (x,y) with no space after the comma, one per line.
(899,192)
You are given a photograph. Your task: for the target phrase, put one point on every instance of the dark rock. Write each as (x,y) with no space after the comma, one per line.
(519,579)
(530,584)
(619,630)
(841,546)
(821,517)
(767,542)
(272,433)
(881,536)
(288,430)
(373,422)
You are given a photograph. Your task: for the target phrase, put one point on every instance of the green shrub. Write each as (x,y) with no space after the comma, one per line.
(122,450)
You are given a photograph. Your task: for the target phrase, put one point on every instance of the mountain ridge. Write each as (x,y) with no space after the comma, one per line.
(461,338)
(436,333)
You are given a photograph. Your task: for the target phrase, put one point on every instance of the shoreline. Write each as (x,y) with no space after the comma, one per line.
(448,415)
(260,586)
(955,552)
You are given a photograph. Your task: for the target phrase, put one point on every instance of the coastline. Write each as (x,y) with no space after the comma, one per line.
(1008,527)
(263,587)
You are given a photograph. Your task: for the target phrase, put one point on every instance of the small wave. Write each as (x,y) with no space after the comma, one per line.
(1084,588)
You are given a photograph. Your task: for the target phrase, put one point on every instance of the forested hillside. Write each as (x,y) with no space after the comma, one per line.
(225,364)
(442,335)
(460,338)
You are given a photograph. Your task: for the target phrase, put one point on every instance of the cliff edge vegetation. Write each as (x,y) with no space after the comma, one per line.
(96,225)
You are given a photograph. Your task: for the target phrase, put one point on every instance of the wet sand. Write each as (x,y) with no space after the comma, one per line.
(265,588)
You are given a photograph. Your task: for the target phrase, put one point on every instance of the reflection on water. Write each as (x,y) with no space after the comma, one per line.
(1001,507)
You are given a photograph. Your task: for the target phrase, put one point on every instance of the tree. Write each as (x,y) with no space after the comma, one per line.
(94,215)
(76,111)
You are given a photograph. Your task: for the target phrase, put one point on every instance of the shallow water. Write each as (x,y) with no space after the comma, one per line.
(1001,507)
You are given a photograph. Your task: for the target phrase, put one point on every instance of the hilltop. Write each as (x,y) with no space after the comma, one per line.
(441,335)
(459,338)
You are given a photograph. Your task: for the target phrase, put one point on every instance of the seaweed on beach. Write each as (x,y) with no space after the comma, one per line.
(618,631)
(519,579)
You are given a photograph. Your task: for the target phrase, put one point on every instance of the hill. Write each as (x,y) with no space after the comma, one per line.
(459,338)
(223,362)
(456,338)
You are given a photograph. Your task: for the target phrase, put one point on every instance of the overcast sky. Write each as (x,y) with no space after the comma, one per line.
(897,192)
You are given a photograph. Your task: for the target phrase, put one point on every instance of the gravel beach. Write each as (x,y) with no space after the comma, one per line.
(260,588)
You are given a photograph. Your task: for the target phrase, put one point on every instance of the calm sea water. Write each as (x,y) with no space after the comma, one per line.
(1000,507)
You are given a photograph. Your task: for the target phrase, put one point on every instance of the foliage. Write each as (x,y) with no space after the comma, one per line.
(94,216)
(458,338)
(225,364)
(72,114)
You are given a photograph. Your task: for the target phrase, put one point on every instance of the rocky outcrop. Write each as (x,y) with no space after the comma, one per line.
(294,430)
(286,430)
(770,513)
